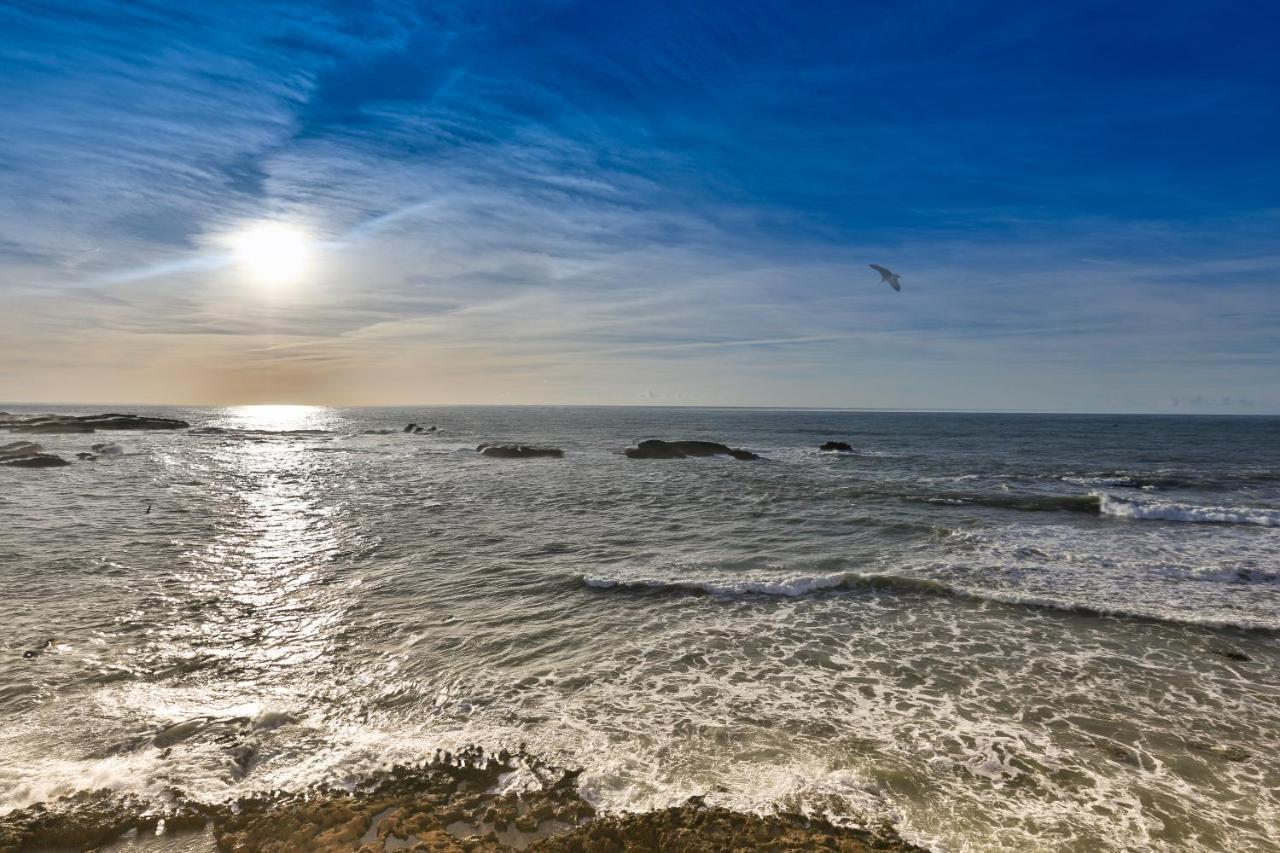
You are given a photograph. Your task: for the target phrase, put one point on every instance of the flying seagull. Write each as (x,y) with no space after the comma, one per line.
(888,276)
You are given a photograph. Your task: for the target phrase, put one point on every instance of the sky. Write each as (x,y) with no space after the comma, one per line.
(659,203)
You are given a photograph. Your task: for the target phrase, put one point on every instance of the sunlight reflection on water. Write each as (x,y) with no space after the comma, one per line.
(278,418)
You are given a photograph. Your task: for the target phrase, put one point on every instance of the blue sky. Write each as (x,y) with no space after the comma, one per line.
(661,203)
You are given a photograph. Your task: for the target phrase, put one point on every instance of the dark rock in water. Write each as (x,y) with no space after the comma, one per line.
(86,457)
(19,449)
(50,426)
(837,446)
(38,650)
(87,423)
(418,430)
(656,449)
(519,451)
(37,460)
(410,428)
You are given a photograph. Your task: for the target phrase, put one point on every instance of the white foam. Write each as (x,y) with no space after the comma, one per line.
(791,587)
(1151,510)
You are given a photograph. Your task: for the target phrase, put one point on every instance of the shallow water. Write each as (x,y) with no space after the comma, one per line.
(998,631)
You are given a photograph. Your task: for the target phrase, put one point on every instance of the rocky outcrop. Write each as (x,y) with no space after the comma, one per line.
(28,454)
(18,449)
(449,804)
(86,423)
(418,430)
(519,451)
(837,447)
(656,449)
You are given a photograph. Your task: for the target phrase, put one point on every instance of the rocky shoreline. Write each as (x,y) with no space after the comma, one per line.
(26,454)
(452,803)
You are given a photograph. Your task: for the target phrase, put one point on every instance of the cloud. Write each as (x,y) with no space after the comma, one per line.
(567,203)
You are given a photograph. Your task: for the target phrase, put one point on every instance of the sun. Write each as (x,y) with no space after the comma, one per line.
(273,253)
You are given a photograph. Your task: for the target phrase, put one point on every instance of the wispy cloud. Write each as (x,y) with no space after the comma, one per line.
(582,203)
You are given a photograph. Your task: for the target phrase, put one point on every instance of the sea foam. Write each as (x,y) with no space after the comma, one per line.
(1151,510)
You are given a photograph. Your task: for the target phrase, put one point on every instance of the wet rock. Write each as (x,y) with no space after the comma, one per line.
(38,649)
(519,451)
(836,447)
(28,454)
(87,423)
(423,807)
(37,460)
(657,449)
(86,457)
(419,430)
(19,449)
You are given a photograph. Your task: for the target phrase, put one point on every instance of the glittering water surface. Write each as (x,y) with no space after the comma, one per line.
(1000,632)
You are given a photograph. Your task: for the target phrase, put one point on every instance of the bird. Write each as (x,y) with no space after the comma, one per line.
(888,276)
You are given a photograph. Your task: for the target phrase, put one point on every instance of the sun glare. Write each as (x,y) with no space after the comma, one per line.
(273,253)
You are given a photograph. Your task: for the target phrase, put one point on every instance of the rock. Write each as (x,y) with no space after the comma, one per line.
(19,450)
(50,426)
(656,449)
(837,447)
(38,649)
(86,457)
(411,428)
(86,423)
(37,460)
(519,451)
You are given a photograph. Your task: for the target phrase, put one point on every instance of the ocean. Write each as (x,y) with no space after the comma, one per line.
(996,631)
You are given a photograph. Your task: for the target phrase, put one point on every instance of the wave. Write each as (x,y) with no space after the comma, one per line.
(790,587)
(1089,503)
(803,585)
(1151,510)
(1113,506)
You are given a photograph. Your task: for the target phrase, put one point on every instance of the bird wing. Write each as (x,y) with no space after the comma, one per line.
(894,283)
(882,270)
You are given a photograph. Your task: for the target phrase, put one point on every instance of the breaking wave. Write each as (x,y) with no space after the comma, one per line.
(802,585)
(1151,510)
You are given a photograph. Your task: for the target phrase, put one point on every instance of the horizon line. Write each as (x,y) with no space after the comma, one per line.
(744,407)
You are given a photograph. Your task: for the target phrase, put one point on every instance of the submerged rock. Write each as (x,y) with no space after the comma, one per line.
(837,447)
(418,430)
(657,449)
(519,451)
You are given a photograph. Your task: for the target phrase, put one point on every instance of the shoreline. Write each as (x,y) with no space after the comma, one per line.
(451,803)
